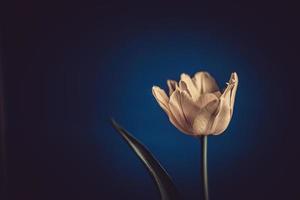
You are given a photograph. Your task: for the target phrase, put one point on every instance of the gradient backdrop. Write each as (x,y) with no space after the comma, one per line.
(69,67)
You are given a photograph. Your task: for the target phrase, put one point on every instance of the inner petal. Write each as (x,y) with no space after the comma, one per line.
(205,83)
(205,99)
(172,86)
(189,107)
(190,86)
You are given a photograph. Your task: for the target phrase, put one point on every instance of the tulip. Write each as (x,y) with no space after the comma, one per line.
(196,106)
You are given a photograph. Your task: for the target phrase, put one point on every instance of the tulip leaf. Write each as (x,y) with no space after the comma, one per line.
(163,181)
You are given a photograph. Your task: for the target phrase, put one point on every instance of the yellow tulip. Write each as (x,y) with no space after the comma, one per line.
(196,106)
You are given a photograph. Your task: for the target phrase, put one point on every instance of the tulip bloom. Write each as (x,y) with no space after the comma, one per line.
(196,106)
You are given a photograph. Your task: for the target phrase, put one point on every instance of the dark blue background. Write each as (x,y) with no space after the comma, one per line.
(69,67)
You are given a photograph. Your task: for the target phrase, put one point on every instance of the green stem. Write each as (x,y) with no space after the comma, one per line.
(204,167)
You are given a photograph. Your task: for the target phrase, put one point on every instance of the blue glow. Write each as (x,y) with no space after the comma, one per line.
(139,62)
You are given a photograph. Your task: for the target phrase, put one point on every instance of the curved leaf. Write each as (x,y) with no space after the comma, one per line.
(163,181)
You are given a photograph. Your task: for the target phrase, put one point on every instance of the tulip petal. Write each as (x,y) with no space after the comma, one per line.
(183,87)
(233,80)
(204,117)
(190,86)
(172,86)
(205,83)
(223,116)
(192,109)
(224,113)
(189,108)
(163,101)
(176,110)
(206,99)
(162,98)
(177,125)
(218,94)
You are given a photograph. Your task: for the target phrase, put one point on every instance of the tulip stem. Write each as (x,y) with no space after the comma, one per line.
(204,167)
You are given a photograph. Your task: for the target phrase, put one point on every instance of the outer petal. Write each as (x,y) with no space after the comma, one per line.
(176,109)
(172,86)
(177,125)
(233,80)
(205,83)
(189,107)
(163,100)
(223,116)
